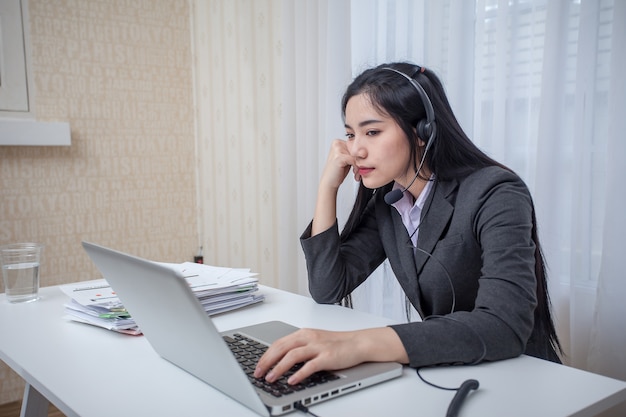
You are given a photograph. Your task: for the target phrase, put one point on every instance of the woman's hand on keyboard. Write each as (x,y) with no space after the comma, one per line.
(329,350)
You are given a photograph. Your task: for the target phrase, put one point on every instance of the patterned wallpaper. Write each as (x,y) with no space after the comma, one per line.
(120,73)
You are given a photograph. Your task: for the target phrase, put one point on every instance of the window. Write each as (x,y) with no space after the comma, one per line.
(540,59)
(13,66)
(17,124)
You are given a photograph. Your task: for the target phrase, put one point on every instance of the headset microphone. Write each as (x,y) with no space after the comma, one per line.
(425,129)
(395,195)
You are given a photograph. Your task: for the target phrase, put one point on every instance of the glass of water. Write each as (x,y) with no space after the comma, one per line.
(20,270)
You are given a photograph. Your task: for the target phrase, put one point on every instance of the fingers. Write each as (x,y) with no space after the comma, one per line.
(341,154)
(287,352)
(338,164)
(307,369)
(270,362)
(292,358)
(357,176)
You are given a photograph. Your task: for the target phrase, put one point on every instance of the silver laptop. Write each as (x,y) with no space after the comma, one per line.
(189,339)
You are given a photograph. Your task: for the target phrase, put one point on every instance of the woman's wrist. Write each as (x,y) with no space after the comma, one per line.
(325,210)
(380,345)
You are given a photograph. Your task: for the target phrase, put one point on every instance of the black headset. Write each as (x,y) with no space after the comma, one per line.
(426,128)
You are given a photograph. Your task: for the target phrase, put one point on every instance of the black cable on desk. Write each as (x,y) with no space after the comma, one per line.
(461,393)
(299,406)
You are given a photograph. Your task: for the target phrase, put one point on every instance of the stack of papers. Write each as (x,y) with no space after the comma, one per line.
(218,289)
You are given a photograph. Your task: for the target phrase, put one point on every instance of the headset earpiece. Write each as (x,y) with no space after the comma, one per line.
(426,128)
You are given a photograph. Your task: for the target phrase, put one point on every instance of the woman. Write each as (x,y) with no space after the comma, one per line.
(458,228)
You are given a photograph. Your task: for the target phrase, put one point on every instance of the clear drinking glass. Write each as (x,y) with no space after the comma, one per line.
(20,270)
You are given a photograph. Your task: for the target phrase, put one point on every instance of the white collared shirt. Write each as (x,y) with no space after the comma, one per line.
(410,211)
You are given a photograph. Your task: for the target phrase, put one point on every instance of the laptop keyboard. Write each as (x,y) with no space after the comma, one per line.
(248,352)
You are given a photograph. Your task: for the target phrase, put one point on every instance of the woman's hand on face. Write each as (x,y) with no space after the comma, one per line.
(328,350)
(338,164)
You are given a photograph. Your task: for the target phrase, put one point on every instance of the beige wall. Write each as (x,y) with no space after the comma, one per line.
(120,73)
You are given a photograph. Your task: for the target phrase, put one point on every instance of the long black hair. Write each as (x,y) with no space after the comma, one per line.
(451,155)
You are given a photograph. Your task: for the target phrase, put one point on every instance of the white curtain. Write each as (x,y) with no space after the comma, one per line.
(316,69)
(539,86)
(547,102)
(608,336)
(237,74)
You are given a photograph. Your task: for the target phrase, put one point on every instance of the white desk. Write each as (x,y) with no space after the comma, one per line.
(89,372)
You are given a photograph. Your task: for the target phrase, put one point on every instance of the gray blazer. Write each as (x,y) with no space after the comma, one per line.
(471,279)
